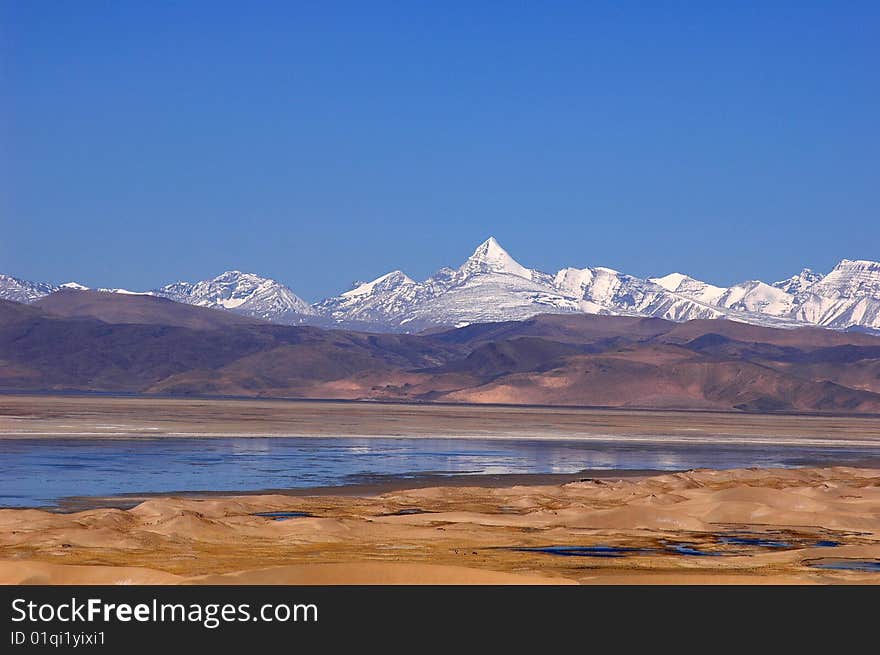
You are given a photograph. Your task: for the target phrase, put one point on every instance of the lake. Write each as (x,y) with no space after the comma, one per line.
(41,472)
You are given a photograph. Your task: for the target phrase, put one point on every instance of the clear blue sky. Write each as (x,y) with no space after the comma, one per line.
(322,142)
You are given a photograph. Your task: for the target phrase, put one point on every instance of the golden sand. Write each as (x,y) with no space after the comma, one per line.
(782,523)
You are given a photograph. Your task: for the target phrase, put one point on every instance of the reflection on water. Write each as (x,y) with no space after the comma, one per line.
(39,472)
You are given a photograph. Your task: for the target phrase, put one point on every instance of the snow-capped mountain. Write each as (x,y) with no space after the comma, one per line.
(489,286)
(606,291)
(242,293)
(689,287)
(18,290)
(848,296)
(381,301)
(850,279)
(492,286)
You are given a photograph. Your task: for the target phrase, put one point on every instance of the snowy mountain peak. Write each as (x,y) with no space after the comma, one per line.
(18,290)
(798,283)
(490,257)
(672,281)
(74,285)
(383,282)
(858,263)
(381,301)
(243,293)
(491,247)
(690,287)
(851,278)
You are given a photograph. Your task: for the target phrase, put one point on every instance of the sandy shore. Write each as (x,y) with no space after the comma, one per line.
(741,527)
(45,416)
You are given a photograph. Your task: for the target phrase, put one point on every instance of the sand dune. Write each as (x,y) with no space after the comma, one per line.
(376,573)
(742,526)
(44,573)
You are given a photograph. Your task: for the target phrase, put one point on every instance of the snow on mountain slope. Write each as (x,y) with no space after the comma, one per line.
(839,313)
(24,291)
(489,286)
(126,292)
(18,290)
(243,293)
(490,257)
(848,296)
(492,286)
(798,283)
(850,279)
(756,297)
(487,296)
(384,300)
(601,290)
(388,281)
(689,287)
(752,297)
(605,291)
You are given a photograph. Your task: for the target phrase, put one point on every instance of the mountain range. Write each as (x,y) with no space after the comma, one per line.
(85,340)
(491,286)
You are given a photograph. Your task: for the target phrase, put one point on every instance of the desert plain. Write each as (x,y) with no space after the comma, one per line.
(742,526)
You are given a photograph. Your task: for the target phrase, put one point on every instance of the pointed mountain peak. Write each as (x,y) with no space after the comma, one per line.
(246,293)
(491,257)
(74,285)
(398,277)
(490,248)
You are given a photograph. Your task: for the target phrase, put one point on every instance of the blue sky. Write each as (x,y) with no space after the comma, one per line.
(323,142)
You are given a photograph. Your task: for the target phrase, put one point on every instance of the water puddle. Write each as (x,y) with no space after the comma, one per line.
(586,551)
(281,516)
(690,550)
(710,545)
(864,566)
(760,542)
(410,511)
